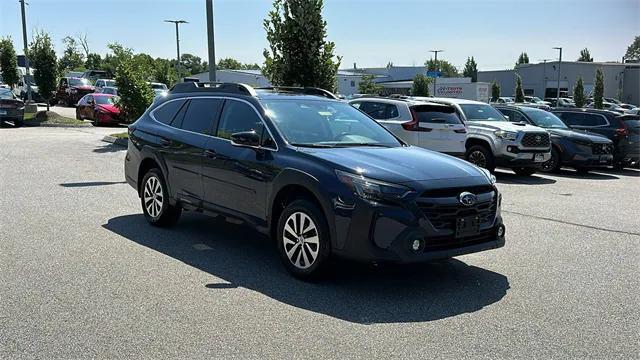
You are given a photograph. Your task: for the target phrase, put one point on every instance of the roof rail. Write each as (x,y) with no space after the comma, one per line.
(302,90)
(210,86)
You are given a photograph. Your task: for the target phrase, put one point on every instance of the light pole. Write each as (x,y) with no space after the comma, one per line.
(177,22)
(211,42)
(27,78)
(559,62)
(435,78)
(544,77)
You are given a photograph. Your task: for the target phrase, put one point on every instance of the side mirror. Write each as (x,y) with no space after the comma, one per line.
(246,138)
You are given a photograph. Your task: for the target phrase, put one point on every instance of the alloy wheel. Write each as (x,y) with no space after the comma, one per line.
(301,240)
(153,198)
(477,158)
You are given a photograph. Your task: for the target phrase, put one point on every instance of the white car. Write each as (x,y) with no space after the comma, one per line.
(101,83)
(421,123)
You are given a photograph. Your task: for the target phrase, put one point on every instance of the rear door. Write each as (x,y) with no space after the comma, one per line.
(440,128)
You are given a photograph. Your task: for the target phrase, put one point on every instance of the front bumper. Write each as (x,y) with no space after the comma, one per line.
(383,233)
(11,114)
(511,153)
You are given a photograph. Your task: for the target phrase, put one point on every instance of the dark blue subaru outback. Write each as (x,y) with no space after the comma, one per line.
(320,177)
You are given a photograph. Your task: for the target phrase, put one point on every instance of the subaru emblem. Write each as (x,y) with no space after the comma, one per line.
(467,199)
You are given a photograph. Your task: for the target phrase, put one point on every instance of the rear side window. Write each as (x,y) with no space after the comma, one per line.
(570,118)
(436,114)
(594,120)
(166,112)
(201,115)
(379,111)
(238,117)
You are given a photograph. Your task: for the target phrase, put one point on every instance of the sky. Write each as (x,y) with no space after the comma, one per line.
(366,32)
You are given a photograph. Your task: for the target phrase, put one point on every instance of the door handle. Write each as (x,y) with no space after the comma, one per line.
(165,142)
(210,154)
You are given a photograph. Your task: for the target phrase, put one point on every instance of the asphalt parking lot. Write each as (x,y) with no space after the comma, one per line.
(83,275)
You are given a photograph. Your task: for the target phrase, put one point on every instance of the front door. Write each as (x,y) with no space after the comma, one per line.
(235,177)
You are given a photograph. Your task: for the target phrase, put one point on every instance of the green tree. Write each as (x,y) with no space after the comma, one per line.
(633,51)
(598,90)
(585,55)
(519,93)
(164,72)
(445,67)
(368,86)
(131,75)
(522,59)
(299,53)
(471,69)
(495,91)
(43,59)
(93,62)
(8,62)
(420,86)
(192,64)
(578,93)
(229,64)
(72,58)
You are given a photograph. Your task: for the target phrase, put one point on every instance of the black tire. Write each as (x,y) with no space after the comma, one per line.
(481,156)
(552,165)
(524,171)
(18,123)
(164,214)
(78,117)
(295,246)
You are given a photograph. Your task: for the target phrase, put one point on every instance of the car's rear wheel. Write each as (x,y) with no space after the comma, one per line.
(303,240)
(480,156)
(524,171)
(553,164)
(154,198)
(78,116)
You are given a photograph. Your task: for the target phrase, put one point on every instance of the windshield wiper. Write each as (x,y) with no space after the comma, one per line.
(362,144)
(313,145)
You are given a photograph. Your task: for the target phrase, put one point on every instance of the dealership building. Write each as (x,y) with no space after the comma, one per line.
(542,79)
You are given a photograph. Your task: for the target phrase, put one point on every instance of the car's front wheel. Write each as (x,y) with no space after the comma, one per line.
(303,240)
(553,164)
(154,197)
(480,156)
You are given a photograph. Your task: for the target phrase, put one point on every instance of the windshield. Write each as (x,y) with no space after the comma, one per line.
(105,100)
(78,82)
(159,86)
(481,112)
(544,119)
(6,94)
(111,83)
(318,123)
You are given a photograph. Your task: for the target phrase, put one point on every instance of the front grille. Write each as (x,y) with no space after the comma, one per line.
(442,212)
(448,242)
(602,149)
(536,140)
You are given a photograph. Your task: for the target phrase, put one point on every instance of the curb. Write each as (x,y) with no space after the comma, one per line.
(116,141)
(59,125)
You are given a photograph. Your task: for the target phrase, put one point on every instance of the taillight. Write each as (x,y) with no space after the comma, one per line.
(414,125)
(623,131)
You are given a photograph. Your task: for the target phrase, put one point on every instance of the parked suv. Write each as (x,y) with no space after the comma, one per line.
(71,90)
(578,149)
(493,141)
(623,130)
(317,175)
(431,126)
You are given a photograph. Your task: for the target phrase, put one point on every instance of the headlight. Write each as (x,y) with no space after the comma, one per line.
(489,175)
(73,91)
(372,190)
(581,142)
(507,135)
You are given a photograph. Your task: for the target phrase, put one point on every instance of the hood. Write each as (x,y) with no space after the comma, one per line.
(398,165)
(110,108)
(84,87)
(503,125)
(584,136)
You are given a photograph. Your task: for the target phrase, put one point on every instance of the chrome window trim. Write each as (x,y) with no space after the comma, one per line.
(152,116)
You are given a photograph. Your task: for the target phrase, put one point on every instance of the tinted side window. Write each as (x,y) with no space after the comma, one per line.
(436,115)
(594,120)
(570,119)
(201,114)
(166,112)
(238,117)
(375,110)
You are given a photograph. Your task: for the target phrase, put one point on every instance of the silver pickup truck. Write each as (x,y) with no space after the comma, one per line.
(494,141)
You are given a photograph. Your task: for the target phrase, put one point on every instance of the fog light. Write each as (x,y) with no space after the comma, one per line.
(501,231)
(416,244)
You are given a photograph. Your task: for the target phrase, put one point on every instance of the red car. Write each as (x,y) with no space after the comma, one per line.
(99,108)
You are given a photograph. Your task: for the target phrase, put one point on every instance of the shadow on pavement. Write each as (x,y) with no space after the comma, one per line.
(509,178)
(109,148)
(357,293)
(592,175)
(92,183)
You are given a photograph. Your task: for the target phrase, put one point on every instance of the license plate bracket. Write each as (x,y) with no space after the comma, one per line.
(3,112)
(467,226)
(604,159)
(538,157)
